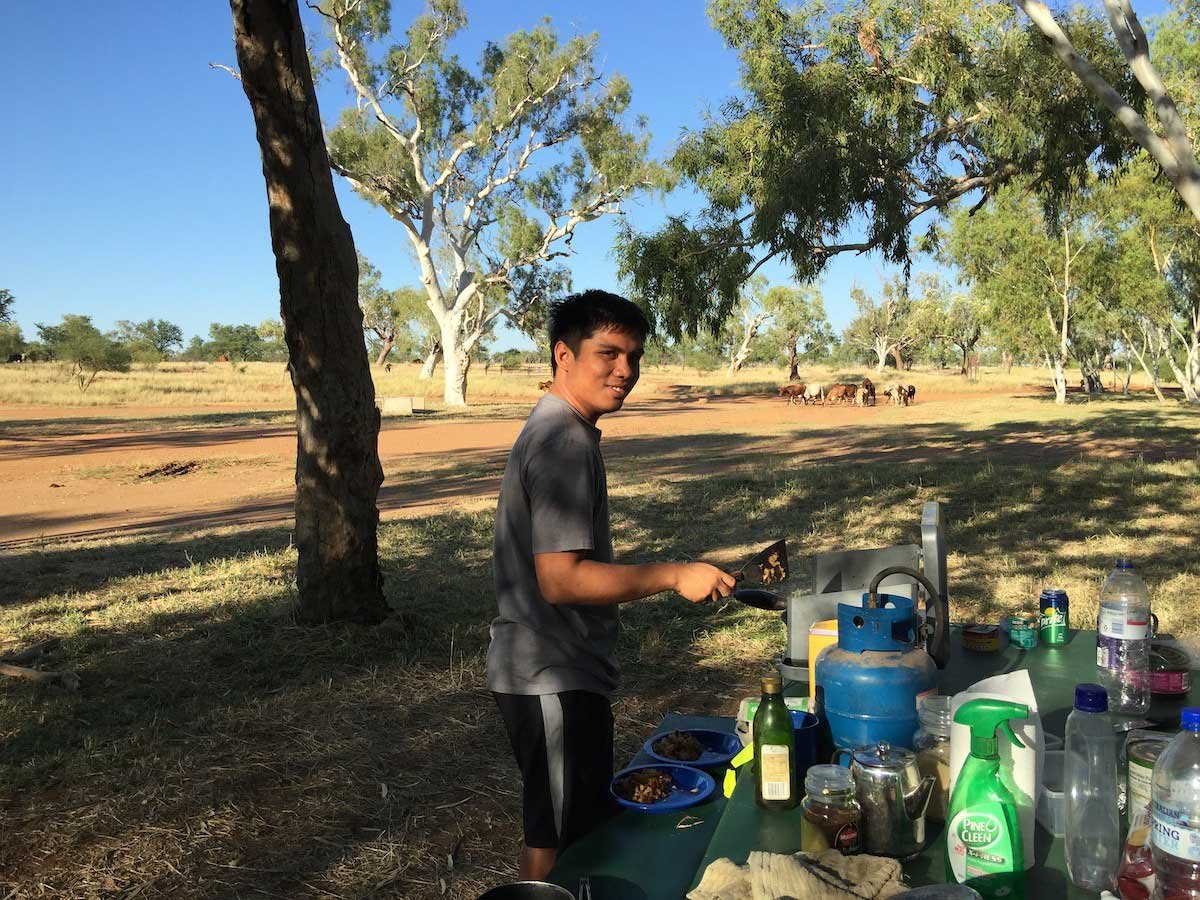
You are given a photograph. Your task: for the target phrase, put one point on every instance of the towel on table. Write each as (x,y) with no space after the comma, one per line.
(824,876)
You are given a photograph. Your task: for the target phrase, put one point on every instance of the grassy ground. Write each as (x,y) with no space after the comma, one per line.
(215,750)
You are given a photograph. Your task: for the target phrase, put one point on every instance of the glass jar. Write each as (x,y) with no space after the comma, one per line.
(832,817)
(932,745)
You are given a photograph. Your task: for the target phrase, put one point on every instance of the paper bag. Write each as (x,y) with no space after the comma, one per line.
(1024,764)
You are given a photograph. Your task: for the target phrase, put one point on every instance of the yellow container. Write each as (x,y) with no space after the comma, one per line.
(820,635)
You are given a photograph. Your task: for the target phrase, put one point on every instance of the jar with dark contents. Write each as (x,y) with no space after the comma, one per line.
(932,745)
(832,817)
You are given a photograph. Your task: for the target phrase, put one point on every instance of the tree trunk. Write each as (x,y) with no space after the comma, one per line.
(793,360)
(337,461)
(881,355)
(1006,359)
(455,363)
(1151,371)
(897,355)
(963,369)
(1060,381)
(388,343)
(431,363)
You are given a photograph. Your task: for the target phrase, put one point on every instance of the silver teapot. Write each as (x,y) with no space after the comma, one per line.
(893,796)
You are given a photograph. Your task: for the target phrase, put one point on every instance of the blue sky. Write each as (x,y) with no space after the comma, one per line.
(132,185)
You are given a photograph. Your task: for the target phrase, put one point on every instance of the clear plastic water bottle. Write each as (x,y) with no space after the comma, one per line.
(1123,641)
(1175,813)
(1093,823)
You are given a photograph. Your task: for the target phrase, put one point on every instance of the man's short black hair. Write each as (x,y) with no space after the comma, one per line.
(576,318)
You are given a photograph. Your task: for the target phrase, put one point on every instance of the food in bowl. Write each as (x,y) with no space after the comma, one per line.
(679,745)
(644,786)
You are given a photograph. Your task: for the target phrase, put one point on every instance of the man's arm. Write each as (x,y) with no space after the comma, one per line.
(570,577)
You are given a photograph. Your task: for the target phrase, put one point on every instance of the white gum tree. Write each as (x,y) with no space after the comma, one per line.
(488,170)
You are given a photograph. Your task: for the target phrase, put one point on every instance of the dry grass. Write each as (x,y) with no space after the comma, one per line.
(267,386)
(215,750)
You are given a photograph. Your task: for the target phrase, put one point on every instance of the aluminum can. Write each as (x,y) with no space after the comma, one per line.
(1055,608)
(1023,631)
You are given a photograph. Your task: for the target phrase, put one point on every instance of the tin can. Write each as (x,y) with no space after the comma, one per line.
(1055,608)
(1170,670)
(1023,631)
(1142,751)
(981,638)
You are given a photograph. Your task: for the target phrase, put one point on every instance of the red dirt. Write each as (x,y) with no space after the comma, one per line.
(48,492)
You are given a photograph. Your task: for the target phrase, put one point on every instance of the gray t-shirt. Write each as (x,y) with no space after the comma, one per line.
(554,497)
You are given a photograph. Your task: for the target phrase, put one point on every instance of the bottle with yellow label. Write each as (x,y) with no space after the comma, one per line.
(774,749)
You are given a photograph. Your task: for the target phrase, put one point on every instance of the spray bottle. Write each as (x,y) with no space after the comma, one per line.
(983,834)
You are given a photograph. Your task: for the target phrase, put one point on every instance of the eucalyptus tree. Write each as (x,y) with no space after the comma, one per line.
(398,317)
(1164,137)
(489,170)
(337,424)
(1041,279)
(743,328)
(799,326)
(857,118)
(892,324)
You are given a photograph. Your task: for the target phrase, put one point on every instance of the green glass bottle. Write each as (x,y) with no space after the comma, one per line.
(774,749)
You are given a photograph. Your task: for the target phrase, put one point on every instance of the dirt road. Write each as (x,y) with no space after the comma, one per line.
(66,473)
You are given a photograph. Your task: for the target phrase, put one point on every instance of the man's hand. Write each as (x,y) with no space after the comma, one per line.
(699,582)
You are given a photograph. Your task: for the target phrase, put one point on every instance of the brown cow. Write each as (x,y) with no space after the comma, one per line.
(837,392)
(545,385)
(911,391)
(794,392)
(866,394)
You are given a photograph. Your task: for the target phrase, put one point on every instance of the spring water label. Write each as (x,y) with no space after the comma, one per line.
(1116,623)
(1172,832)
(979,843)
(776,774)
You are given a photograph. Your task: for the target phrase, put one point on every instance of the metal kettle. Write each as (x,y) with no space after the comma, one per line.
(893,796)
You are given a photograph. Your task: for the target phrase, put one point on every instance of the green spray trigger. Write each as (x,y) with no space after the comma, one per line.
(985,717)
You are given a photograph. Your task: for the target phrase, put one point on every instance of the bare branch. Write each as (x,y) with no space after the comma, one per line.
(234,72)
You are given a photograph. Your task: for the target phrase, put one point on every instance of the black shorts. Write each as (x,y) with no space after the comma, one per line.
(564,747)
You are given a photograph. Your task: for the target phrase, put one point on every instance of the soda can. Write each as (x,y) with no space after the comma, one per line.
(1023,631)
(1055,607)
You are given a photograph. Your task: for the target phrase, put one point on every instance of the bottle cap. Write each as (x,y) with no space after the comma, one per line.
(1191,718)
(1124,563)
(772,684)
(1091,698)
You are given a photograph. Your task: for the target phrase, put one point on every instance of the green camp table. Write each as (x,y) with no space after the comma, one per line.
(648,858)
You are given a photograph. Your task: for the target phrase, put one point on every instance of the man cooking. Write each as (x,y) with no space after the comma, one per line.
(551,664)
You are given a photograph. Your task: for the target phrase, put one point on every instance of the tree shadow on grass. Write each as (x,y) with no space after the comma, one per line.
(215,750)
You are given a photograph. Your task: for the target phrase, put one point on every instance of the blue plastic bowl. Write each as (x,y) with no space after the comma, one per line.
(719,748)
(691,787)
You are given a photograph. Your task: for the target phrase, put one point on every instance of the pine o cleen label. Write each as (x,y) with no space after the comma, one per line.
(1171,833)
(978,843)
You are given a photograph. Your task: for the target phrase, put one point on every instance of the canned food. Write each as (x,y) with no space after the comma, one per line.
(1170,670)
(1142,751)
(1023,631)
(1055,608)
(981,638)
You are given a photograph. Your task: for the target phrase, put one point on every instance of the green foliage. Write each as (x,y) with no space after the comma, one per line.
(6,303)
(81,344)
(237,343)
(862,115)
(151,340)
(12,341)
(274,344)
(799,327)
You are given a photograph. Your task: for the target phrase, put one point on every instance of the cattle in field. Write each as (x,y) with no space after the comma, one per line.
(866,393)
(793,392)
(840,393)
(16,357)
(897,393)
(813,393)
(911,391)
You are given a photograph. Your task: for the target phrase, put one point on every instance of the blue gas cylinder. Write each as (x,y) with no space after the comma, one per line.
(868,685)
